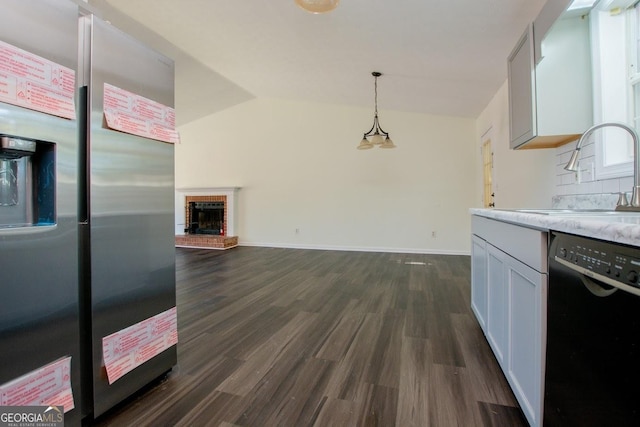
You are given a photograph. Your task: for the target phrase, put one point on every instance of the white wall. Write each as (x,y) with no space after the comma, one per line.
(298,167)
(521,178)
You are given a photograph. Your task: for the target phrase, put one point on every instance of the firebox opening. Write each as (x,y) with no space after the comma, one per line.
(206,218)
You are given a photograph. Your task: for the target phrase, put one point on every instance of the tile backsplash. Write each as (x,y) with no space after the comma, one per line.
(581,189)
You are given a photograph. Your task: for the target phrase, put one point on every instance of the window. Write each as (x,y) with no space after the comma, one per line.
(615,44)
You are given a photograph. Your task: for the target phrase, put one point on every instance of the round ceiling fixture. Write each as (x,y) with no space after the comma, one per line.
(318,6)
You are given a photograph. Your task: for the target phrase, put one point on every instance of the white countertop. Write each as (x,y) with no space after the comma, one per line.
(618,228)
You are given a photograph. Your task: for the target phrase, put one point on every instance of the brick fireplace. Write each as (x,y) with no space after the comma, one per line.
(205,218)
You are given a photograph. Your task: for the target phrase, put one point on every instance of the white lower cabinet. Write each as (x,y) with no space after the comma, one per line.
(497,312)
(516,297)
(479,291)
(527,307)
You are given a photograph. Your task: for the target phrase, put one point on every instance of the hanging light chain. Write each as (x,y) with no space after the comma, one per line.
(375,91)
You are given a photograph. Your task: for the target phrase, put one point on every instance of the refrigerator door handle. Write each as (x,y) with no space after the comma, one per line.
(83,156)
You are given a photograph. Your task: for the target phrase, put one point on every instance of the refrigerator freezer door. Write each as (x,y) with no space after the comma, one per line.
(39,264)
(130,237)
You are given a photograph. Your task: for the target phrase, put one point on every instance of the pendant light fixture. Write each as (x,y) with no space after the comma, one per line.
(318,6)
(377,136)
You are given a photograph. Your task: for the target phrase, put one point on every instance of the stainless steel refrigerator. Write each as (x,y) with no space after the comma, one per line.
(126,210)
(86,211)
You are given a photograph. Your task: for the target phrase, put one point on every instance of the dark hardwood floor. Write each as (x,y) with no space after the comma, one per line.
(285,337)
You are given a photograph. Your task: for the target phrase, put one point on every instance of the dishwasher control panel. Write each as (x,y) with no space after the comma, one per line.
(614,261)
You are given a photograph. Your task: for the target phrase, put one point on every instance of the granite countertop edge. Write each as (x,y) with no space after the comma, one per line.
(618,229)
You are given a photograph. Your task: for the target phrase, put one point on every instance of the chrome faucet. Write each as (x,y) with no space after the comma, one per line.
(635,197)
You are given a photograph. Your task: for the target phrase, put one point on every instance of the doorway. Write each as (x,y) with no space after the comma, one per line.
(487,174)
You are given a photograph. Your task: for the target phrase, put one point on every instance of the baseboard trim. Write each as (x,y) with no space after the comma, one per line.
(356,248)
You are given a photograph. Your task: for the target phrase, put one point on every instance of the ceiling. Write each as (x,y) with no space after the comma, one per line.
(445,57)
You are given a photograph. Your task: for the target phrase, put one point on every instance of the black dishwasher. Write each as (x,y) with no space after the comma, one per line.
(592,372)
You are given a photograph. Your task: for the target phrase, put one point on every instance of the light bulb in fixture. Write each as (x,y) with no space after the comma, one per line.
(377,139)
(318,6)
(365,144)
(388,143)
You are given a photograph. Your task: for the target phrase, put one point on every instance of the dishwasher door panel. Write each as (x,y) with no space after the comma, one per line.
(593,353)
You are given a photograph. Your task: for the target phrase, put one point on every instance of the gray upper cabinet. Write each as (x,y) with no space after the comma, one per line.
(522,89)
(550,94)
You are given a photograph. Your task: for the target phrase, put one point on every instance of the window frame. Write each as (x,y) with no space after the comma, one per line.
(631,112)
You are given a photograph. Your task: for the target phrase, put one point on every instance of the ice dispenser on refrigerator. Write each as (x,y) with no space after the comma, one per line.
(27,182)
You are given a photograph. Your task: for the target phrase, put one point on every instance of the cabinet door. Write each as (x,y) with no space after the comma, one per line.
(527,290)
(497,300)
(479,280)
(522,112)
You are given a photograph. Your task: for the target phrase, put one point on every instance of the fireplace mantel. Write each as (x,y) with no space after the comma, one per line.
(207,190)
